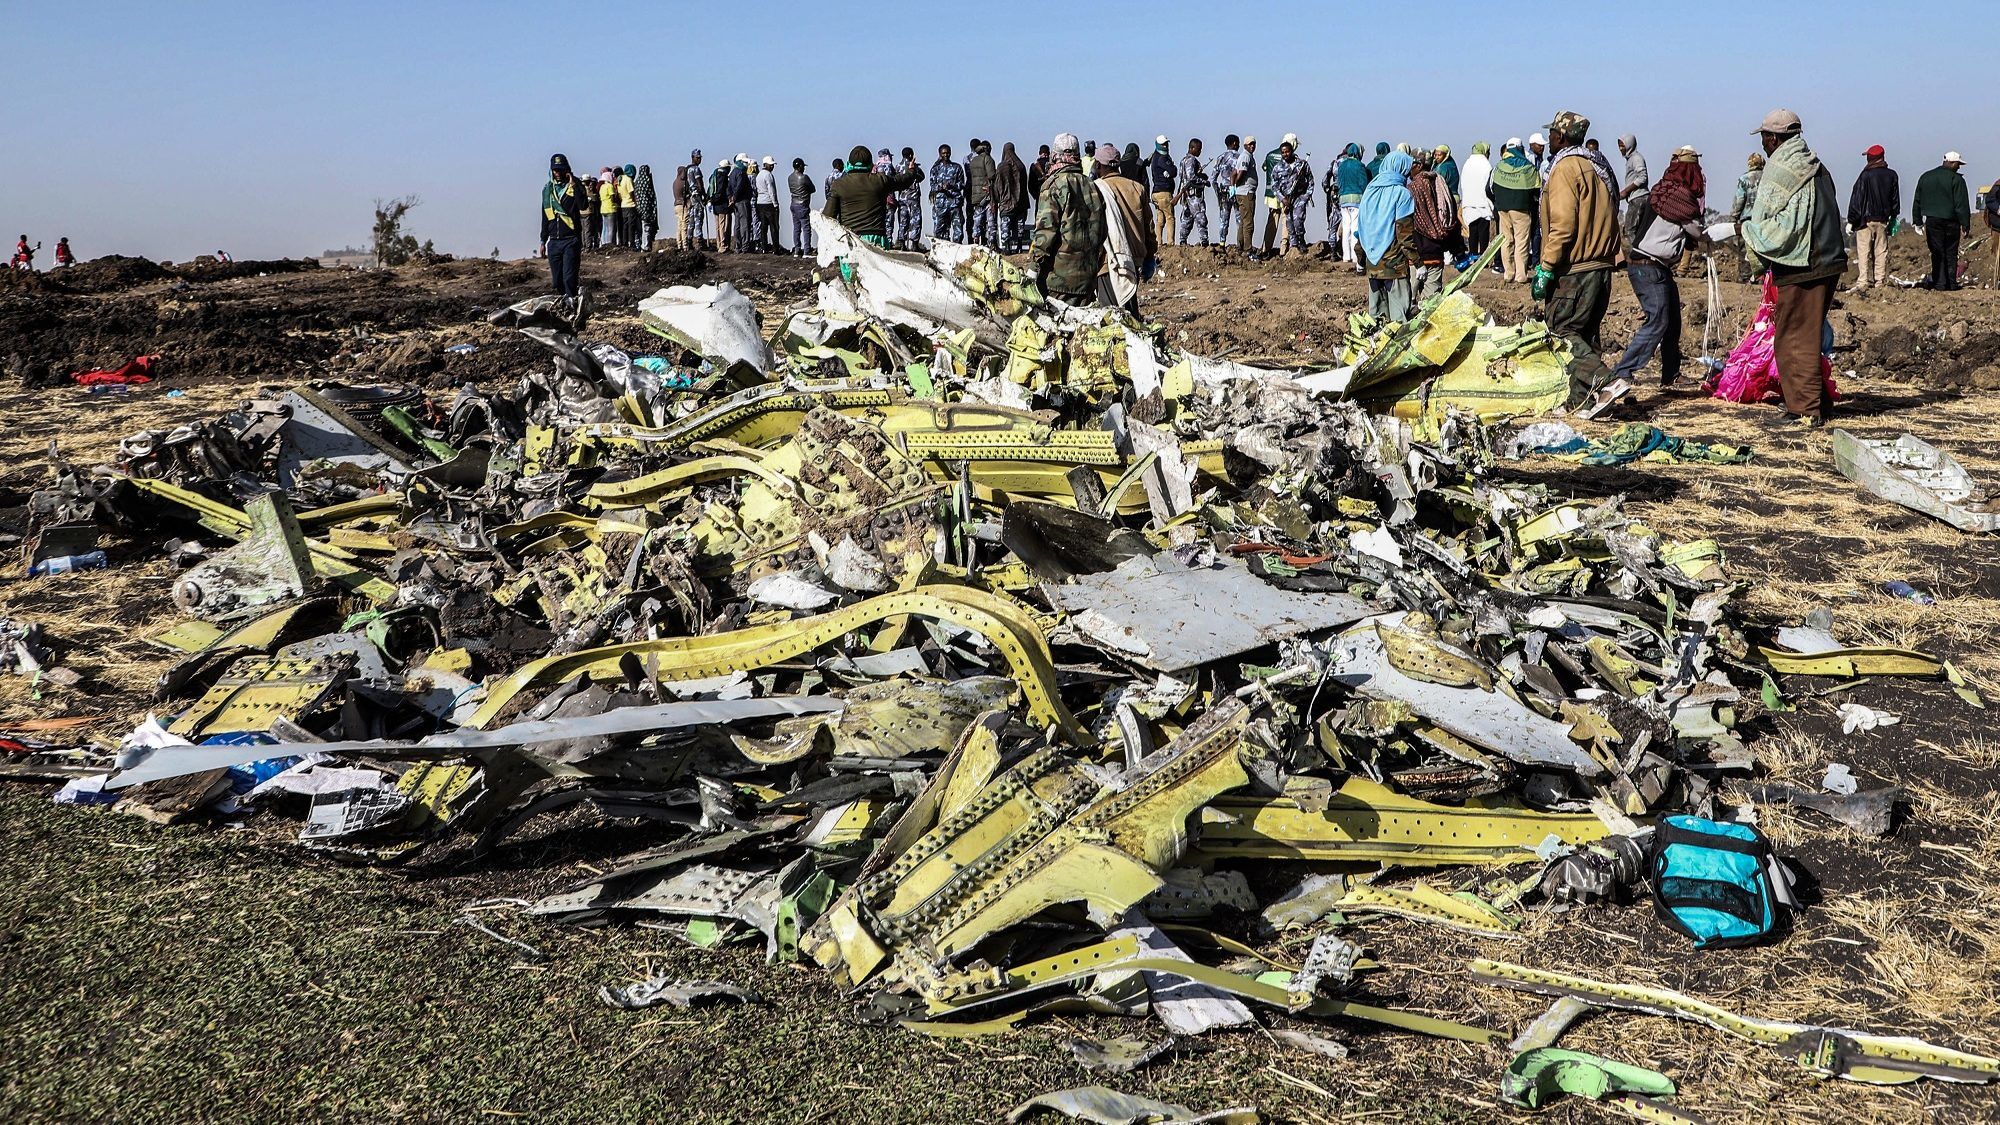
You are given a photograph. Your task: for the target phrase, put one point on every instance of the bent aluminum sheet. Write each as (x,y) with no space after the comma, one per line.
(141,764)
(1483,718)
(715,320)
(1917,475)
(1170,618)
(905,289)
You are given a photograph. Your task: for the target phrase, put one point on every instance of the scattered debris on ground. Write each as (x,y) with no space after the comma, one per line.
(1001,659)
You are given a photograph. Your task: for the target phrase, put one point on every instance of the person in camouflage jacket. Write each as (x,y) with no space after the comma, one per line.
(1069,229)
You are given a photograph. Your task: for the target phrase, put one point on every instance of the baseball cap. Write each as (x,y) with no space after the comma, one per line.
(1570,124)
(1953,158)
(1781,122)
(1874,151)
(1538,139)
(1161,139)
(1290,139)
(1249,140)
(1686,150)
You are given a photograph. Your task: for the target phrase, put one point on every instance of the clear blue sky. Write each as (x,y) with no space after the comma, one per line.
(170,129)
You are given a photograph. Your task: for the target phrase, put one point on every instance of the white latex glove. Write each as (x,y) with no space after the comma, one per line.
(1854,717)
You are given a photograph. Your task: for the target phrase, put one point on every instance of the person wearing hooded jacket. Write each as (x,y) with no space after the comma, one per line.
(648,199)
(981,212)
(1010,197)
(1350,179)
(1632,192)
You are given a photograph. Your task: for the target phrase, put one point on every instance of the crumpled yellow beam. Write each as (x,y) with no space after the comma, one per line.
(1364,820)
(1007,626)
(1828,1051)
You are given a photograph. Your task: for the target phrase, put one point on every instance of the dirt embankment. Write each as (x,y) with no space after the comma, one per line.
(293,320)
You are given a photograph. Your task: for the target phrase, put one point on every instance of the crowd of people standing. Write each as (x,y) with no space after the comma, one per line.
(1566,221)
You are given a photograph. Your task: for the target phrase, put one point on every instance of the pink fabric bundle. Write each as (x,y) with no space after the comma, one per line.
(1751,372)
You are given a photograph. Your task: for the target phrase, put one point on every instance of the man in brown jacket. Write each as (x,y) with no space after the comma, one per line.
(1579,251)
(1131,247)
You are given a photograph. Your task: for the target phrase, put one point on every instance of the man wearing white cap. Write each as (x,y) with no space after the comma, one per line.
(767,207)
(1943,211)
(1163,174)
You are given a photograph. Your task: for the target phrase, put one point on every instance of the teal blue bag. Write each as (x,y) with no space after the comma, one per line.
(1712,882)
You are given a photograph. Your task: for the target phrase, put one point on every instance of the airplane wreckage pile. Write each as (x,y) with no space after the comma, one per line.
(974,648)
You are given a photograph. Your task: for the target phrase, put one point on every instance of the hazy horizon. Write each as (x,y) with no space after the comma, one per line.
(178,130)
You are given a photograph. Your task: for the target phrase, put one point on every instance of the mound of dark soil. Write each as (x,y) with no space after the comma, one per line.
(206,268)
(674,267)
(110,274)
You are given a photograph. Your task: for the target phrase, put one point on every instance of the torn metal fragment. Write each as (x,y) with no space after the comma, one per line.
(235,698)
(1918,475)
(1311,1044)
(1872,813)
(1549,1026)
(681,994)
(1219,611)
(1184,1006)
(1120,1055)
(1331,960)
(1363,660)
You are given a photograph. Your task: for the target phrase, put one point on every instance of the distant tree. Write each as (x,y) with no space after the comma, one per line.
(393,247)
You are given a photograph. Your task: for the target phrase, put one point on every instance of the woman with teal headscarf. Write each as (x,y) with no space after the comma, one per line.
(1386,238)
(1375,166)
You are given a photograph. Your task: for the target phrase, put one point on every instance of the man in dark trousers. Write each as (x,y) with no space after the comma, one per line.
(562,225)
(1943,209)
